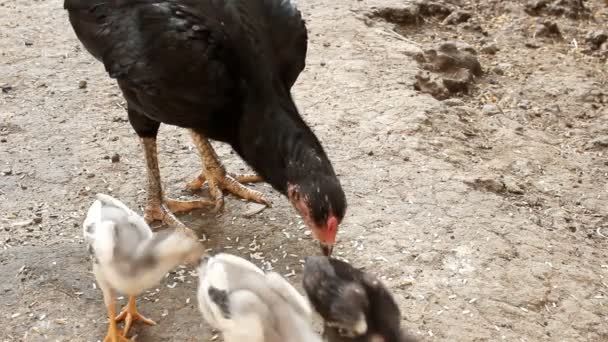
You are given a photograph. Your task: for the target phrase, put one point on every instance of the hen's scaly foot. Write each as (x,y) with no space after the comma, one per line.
(130,314)
(219,180)
(165,211)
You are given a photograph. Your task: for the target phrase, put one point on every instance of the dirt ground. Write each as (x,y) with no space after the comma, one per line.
(486,213)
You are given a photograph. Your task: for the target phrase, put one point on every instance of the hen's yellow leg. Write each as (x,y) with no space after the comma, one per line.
(158,207)
(130,314)
(215,175)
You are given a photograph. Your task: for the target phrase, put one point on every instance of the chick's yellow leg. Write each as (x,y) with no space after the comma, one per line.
(215,175)
(113,334)
(130,314)
(158,207)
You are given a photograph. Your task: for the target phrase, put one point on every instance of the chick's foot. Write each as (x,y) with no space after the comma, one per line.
(113,334)
(130,314)
(116,337)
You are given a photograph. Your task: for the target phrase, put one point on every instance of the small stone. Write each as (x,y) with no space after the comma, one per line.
(37,220)
(370,153)
(554,108)
(458,81)
(326,44)
(453,102)
(6,88)
(90,175)
(253,209)
(487,184)
(115,158)
(524,104)
(7,172)
(498,71)
(598,143)
(457,17)
(490,49)
(512,186)
(3,140)
(82,84)
(548,29)
(28,43)
(323,64)
(595,39)
(429,83)
(22,223)
(531,45)
(490,109)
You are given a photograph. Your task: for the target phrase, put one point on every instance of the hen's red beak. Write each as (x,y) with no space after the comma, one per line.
(325,233)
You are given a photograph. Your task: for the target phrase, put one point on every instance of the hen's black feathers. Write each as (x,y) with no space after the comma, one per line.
(223,68)
(191,54)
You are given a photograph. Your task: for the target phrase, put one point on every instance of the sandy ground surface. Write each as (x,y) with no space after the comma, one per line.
(485,213)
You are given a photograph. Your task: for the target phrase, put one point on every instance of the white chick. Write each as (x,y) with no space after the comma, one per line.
(245,304)
(129,258)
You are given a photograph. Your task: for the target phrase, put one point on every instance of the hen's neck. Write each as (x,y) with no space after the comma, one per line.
(278,144)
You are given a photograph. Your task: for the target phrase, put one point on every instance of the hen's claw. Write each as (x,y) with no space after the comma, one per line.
(218,180)
(217,183)
(130,314)
(165,211)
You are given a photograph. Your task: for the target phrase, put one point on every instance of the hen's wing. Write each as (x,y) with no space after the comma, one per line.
(289,37)
(113,230)
(160,50)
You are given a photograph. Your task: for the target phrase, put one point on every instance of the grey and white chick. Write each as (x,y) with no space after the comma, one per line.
(129,258)
(245,304)
(355,306)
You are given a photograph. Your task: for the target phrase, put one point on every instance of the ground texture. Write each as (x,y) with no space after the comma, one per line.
(481,199)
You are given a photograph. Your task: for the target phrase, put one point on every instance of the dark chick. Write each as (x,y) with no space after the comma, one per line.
(354,305)
(224,70)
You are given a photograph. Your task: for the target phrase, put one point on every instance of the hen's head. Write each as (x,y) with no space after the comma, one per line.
(322,205)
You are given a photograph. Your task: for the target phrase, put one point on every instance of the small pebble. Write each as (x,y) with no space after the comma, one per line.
(490,109)
(490,49)
(115,158)
(82,84)
(253,209)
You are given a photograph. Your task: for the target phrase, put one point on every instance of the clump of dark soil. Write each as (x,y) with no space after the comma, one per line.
(416,12)
(570,8)
(456,66)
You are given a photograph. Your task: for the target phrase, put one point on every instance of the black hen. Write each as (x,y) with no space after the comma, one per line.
(224,70)
(355,306)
